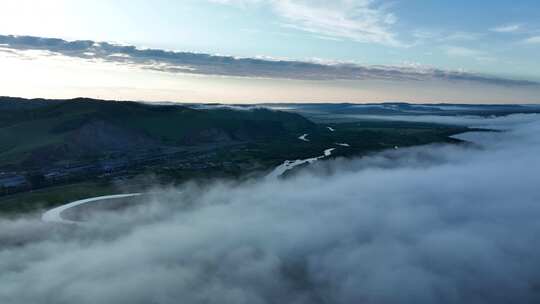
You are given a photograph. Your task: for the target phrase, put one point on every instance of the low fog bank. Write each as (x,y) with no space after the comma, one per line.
(478,121)
(432,224)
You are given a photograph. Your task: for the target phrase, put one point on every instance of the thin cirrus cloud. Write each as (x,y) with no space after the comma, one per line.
(463,36)
(359,21)
(519,29)
(206,64)
(478,55)
(532,40)
(507,28)
(462,51)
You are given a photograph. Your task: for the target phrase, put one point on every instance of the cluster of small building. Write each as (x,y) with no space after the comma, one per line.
(12,180)
(26,180)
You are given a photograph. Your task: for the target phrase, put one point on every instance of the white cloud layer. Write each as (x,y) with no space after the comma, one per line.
(206,64)
(434,224)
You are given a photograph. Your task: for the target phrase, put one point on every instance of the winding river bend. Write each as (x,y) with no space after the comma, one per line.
(55,215)
(289,164)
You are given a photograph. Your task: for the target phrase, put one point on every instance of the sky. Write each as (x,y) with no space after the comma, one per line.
(240,51)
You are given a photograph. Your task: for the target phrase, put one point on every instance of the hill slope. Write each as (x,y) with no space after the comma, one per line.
(59,130)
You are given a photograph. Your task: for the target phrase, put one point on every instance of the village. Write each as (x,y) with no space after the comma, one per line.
(111,168)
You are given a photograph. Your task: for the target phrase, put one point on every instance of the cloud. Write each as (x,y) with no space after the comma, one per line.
(240,3)
(425,36)
(361,21)
(461,36)
(358,21)
(477,121)
(459,51)
(236,2)
(507,28)
(452,224)
(462,51)
(532,40)
(206,64)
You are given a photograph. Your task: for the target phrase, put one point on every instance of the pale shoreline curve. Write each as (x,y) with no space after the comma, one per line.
(55,215)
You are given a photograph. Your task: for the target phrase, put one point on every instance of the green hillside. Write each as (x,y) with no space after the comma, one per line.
(86,127)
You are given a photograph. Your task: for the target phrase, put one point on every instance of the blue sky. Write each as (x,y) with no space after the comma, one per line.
(493,39)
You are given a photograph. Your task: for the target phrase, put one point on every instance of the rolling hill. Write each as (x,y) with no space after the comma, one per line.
(58,130)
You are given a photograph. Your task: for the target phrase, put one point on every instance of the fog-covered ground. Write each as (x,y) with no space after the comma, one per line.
(494,122)
(432,224)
